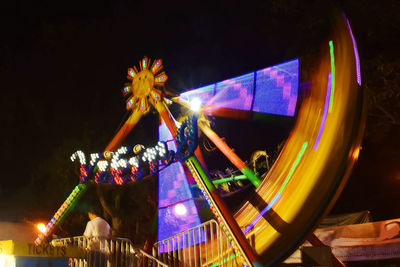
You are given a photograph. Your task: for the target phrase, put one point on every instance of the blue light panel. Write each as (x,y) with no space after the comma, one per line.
(236,93)
(272,90)
(205,94)
(173,188)
(276,89)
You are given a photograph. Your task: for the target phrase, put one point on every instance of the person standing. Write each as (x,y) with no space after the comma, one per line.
(97,226)
(97,231)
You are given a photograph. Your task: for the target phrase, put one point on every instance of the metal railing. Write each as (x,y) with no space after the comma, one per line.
(205,245)
(107,252)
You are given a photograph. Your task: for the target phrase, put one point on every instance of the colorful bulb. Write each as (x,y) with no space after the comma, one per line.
(156,66)
(155,95)
(131,73)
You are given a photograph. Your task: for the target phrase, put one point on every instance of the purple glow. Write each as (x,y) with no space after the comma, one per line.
(170,223)
(173,186)
(174,190)
(277,88)
(261,214)
(355,51)
(180,209)
(272,90)
(326,107)
(236,93)
(184,239)
(205,93)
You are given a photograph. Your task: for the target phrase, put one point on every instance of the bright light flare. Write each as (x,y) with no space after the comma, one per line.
(41,227)
(7,260)
(180,209)
(356,153)
(195,104)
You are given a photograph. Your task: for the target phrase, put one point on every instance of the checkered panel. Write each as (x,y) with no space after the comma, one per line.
(275,92)
(236,93)
(276,89)
(173,188)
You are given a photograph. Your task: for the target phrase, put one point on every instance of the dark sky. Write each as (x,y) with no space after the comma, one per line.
(63,64)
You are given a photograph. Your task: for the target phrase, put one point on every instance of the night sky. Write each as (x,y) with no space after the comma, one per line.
(63,66)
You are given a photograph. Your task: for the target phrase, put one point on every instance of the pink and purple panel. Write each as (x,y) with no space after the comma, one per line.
(277,89)
(172,185)
(173,188)
(205,94)
(165,135)
(274,91)
(235,93)
(171,222)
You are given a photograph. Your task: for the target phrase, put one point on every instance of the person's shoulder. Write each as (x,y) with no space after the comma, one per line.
(100,220)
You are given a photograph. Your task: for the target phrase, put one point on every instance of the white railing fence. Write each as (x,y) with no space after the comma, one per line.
(107,252)
(205,245)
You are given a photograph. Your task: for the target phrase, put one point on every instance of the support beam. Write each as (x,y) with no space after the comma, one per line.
(228,152)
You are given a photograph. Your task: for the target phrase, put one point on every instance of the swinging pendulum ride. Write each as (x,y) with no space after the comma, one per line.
(311,169)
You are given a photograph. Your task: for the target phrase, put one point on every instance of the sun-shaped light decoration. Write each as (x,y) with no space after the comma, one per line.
(146,85)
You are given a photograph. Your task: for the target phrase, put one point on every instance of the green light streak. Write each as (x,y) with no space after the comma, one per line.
(294,166)
(72,203)
(200,171)
(230,179)
(252,176)
(224,260)
(226,180)
(333,75)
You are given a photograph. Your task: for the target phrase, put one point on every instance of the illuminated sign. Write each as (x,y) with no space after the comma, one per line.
(18,248)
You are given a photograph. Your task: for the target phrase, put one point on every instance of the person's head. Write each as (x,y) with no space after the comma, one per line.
(94,211)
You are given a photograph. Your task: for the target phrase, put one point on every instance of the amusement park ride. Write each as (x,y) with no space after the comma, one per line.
(300,187)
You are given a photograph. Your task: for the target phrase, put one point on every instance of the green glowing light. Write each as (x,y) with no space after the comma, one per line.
(333,75)
(224,261)
(294,166)
(251,175)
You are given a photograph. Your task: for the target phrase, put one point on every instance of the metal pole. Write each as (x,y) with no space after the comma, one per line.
(222,212)
(228,152)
